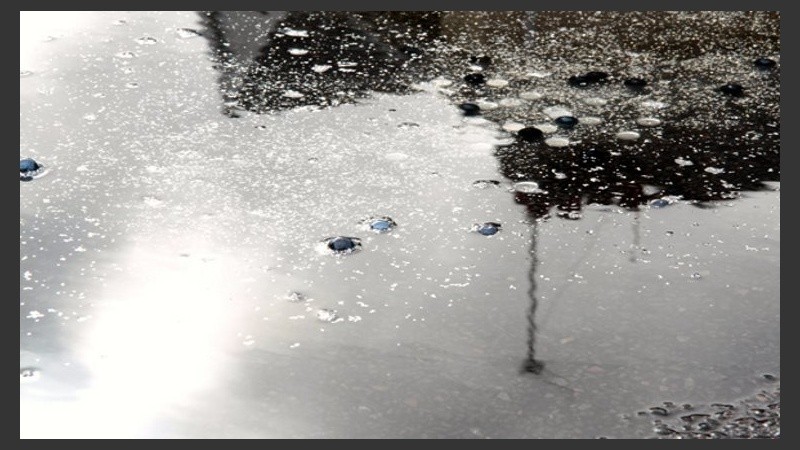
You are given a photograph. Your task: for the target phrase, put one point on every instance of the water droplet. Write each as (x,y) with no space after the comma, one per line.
(732,89)
(380,224)
(29,169)
(29,374)
(530,134)
(187,33)
(566,121)
(648,121)
(714,170)
(527,187)
(659,411)
(764,63)
(298,51)
(475,79)
(497,83)
(470,109)
(683,162)
(483,184)
(696,276)
(406,125)
(628,135)
(557,141)
(319,68)
(146,40)
(126,55)
(659,203)
(487,228)
(342,244)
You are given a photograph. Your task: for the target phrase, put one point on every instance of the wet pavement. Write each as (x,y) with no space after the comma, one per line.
(459,224)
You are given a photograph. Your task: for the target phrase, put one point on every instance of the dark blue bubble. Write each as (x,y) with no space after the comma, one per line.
(470,109)
(732,89)
(566,121)
(659,203)
(764,63)
(530,134)
(28,165)
(487,229)
(343,244)
(381,224)
(635,83)
(475,79)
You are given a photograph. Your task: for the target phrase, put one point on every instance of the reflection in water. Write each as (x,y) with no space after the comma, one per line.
(531,363)
(704,145)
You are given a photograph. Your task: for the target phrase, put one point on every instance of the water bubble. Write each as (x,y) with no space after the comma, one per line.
(406,125)
(487,228)
(296,297)
(648,121)
(342,244)
(380,224)
(132,85)
(298,51)
(126,55)
(530,134)
(29,169)
(696,276)
(659,411)
(187,33)
(483,184)
(683,162)
(566,121)
(29,374)
(628,135)
(320,68)
(714,170)
(293,94)
(475,79)
(146,40)
(327,315)
(659,203)
(764,63)
(595,101)
(470,109)
(591,120)
(527,187)
(635,83)
(497,83)
(531,95)
(557,141)
(732,89)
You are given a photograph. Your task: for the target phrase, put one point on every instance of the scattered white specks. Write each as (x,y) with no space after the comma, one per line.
(34,315)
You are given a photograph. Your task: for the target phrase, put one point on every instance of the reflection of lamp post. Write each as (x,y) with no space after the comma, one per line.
(531,364)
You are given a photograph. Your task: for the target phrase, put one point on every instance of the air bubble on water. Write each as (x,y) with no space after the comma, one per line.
(187,33)
(557,141)
(591,120)
(554,112)
(146,40)
(648,121)
(531,95)
(683,162)
(293,94)
(513,126)
(319,68)
(487,228)
(328,315)
(696,276)
(628,135)
(125,55)
(487,105)
(510,102)
(546,127)
(714,170)
(29,374)
(484,184)
(527,187)
(298,51)
(595,101)
(294,33)
(340,245)
(497,83)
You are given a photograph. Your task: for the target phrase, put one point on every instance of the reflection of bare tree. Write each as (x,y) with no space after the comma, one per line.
(531,363)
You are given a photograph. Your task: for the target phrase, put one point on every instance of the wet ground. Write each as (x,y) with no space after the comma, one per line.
(454,224)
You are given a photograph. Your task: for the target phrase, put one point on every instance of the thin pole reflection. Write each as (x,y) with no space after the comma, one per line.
(532,365)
